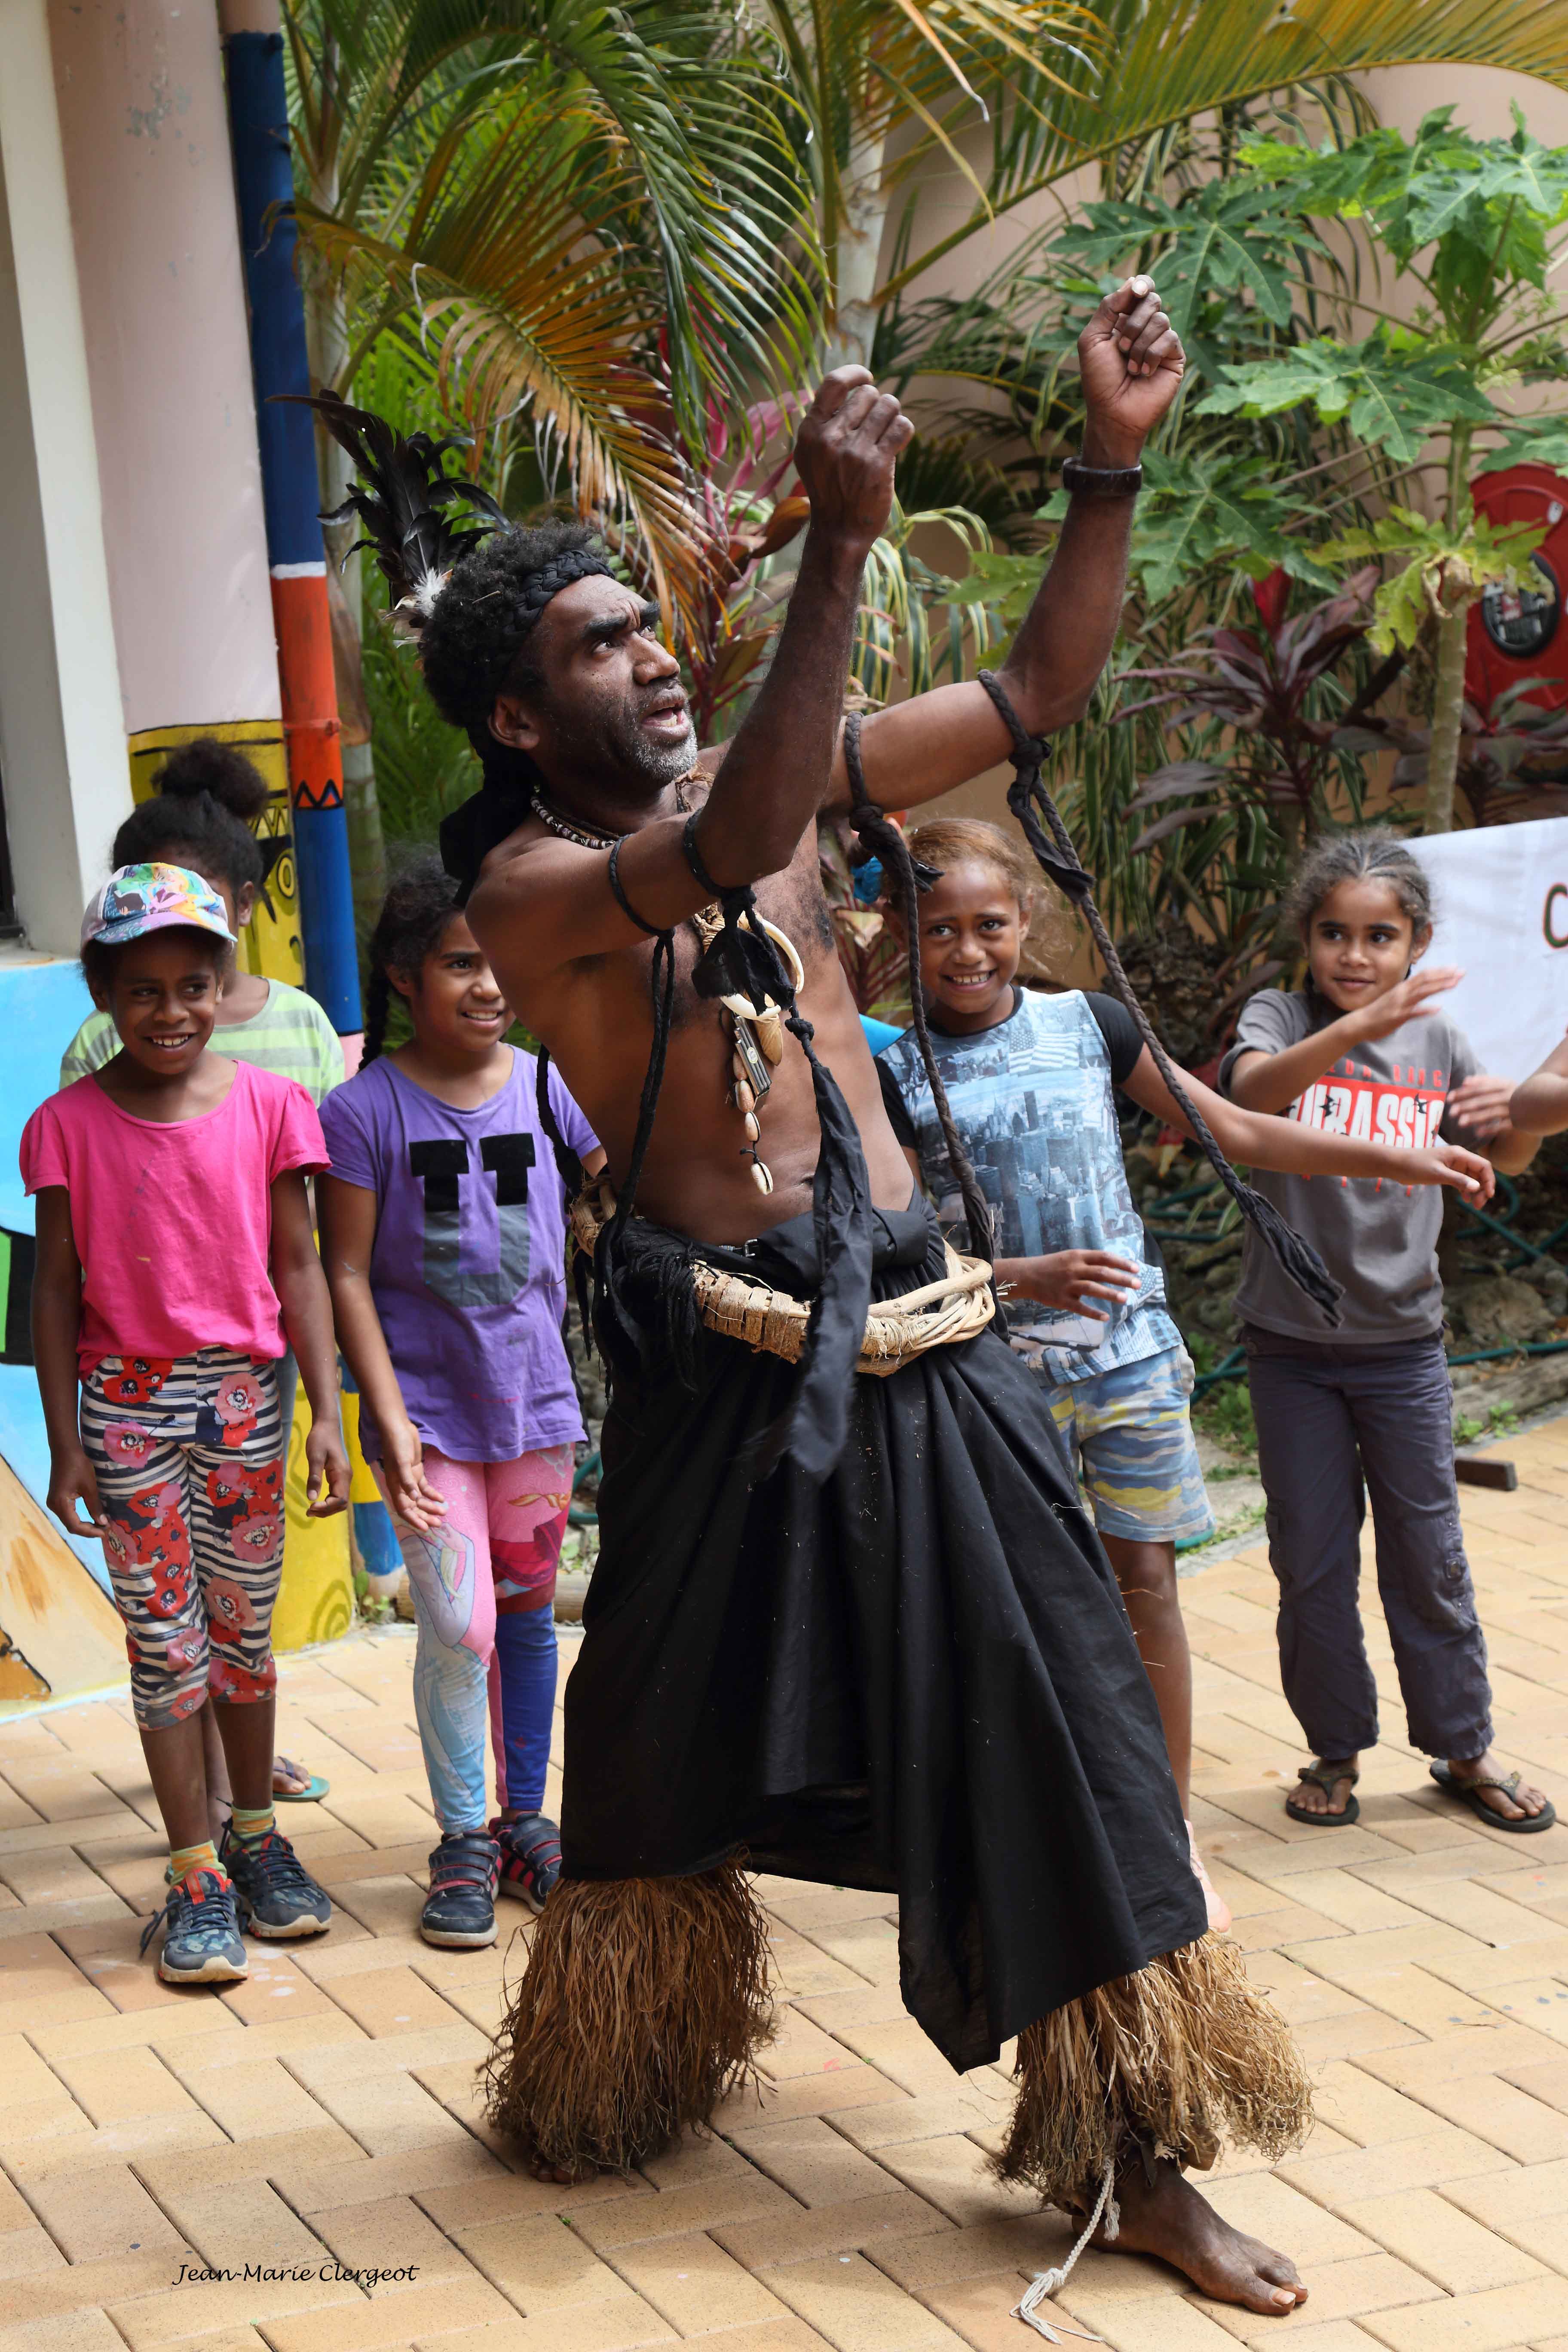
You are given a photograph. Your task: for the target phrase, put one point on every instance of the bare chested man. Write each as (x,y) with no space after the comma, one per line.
(913,1674)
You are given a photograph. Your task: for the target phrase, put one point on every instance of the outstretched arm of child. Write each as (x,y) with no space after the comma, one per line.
(1271,1082)
(1263,1141)
(1482,1105)
(302,1290)
(348,1214)
(56,1321)
(1540,1105)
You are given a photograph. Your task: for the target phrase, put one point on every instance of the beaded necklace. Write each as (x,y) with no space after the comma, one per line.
(757,1032)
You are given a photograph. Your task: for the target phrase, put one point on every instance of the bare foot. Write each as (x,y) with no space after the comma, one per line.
(1172,2221)
(1308,1798)
(562,2176)
(1524,1803)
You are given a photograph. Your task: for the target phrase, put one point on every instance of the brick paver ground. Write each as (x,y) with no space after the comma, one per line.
(324,2115)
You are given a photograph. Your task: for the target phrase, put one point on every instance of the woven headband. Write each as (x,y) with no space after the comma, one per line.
(551,578)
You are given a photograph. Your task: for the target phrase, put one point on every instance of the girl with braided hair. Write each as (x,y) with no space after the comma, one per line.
(443,1237)
(849,1622)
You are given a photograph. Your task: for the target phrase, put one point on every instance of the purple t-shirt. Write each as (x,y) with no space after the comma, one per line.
(468,1268)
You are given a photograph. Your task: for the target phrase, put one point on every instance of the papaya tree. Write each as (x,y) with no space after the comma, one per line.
(1474,226)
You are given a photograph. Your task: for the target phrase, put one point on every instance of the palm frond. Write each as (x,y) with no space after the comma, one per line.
(692,131)
(1172,61)
(565,356)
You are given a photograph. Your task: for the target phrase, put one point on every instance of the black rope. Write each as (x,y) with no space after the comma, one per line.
(694,857)
(621,901)
(569,1168)
(880,837)
(1029,800)
(608,1252)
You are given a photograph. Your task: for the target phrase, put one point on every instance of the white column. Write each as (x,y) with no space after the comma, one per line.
(62,728)
(144,126)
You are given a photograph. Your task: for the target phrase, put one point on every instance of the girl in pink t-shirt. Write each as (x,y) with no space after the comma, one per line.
(173,1252)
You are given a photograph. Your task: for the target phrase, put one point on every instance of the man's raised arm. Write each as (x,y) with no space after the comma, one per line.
(552,901)
(1132,361)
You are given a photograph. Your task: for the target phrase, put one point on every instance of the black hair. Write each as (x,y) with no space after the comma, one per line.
(1375,855)
(475,643)
(206,797)
(99,957)
(413,914)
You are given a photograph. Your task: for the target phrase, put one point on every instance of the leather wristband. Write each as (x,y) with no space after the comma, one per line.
(1081,481)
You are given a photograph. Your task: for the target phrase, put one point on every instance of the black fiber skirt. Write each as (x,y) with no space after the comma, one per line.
(918,1677)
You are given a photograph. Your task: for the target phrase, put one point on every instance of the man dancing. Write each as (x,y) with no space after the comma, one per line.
(844,1628)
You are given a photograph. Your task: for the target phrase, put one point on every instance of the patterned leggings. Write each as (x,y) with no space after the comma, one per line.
(483,1583)
(188,1456)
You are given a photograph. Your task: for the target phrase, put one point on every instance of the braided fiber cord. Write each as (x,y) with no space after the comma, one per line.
(742,960)
(878,834)
(1060,860)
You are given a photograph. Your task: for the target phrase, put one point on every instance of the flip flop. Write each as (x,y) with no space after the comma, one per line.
(1321,1777)
(315,1789)
(1469,1793)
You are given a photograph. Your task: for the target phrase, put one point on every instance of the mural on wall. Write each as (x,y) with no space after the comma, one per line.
(59,1634)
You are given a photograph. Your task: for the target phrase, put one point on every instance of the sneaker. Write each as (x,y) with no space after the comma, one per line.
(202,1943)
(460,1908)
(277,1897)
(530,1858)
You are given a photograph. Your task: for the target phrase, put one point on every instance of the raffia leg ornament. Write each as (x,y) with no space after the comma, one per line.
(643,2003)
(1183,2056)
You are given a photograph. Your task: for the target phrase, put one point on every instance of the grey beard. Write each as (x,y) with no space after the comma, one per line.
(659,763)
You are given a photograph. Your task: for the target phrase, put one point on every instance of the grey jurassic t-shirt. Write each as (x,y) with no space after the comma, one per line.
(1380,1240)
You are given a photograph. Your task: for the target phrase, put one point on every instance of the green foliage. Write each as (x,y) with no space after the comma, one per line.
(424,768)
(1392,397)
(1208,513)
(1447,568)
(1224,1413)
(586,228)
(1487,205)
(1160,65)
(1223,241)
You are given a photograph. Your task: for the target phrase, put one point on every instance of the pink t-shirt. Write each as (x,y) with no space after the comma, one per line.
(172,1222)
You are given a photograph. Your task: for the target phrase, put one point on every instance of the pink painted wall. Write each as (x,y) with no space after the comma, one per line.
(143,120)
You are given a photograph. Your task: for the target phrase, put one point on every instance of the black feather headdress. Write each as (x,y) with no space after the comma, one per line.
(404,490)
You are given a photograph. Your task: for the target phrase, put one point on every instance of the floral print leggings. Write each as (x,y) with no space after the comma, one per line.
(189,1461)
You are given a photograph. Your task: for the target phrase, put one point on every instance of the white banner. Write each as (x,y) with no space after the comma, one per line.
(1501,904)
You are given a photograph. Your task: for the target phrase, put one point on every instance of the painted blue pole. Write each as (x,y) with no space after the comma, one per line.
(295,554)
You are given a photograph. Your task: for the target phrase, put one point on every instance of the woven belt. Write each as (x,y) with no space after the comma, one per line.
(897,1330)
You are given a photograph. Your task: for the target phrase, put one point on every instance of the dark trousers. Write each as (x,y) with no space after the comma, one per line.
(1336,1424)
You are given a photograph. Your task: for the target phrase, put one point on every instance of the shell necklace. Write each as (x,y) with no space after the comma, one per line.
(757,1032)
